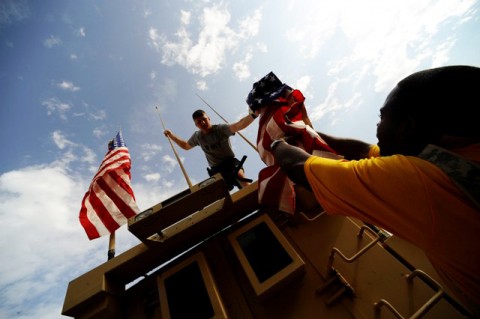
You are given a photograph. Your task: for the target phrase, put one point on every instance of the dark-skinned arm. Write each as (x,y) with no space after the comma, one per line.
(351,149)
(291,160)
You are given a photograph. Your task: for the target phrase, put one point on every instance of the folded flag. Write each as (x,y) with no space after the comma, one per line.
(281,117)
(265,90)
(109,201)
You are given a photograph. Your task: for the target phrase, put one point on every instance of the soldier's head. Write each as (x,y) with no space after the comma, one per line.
(430,107)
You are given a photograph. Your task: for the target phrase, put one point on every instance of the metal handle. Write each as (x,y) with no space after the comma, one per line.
(345,289)
(423,309)
(311,219)
(359,253)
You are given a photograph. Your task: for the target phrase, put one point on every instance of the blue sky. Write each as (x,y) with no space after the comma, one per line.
(72,73)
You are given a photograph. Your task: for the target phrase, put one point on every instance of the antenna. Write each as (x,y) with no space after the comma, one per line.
(175,152)
(241,135)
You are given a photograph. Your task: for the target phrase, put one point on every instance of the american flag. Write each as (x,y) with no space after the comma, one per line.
(109,201)
(281,118)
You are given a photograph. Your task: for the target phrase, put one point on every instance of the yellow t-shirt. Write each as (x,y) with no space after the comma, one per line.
(411,198)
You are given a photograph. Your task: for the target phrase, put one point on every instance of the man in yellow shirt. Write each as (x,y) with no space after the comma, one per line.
(422,181)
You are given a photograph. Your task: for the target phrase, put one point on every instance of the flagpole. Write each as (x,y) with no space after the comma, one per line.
(111,246)
(176,154)
(241,135)
(111,239)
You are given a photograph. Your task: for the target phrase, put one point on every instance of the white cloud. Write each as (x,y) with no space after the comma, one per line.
(88,156)
(12,11)
(333,104)
(153,75)
(241,68)
(250,26)
(379,32)
(149,151)
(92,114)
(303,84)
(155,38)
(386,40)
(51,41)
(185,17)
(215,39)
(98,115)
(73,56)
(44,241)
(60,140)
(441,55)
(262,47)
(68,86)
(170,162)
(202,85)
(81,32)
(99,132)
(154,177)
(55,106)
(71,151)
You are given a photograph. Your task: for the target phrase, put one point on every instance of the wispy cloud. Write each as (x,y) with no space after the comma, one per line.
(250,26)
(12,11)
(153,75)
(81,32)
(206,55)
(201,85)
(241,68)
(169,162)
(149,151)
(55,106)
(51,41)
(88,156)
(185,17)
(68,86)
(97,115)
(71,151)
(60,140)
(154,177)
(42,202)
(334,104)
(376,33)
(99,132)
(43,199)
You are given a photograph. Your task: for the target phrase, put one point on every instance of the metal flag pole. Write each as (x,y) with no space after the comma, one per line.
(175,152)
(241,135)
(111,239)
(111,246)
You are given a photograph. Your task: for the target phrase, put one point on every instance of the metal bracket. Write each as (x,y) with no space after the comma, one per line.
(423,309)
(335,276)
(311,219)
(345,289)
(359,253)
